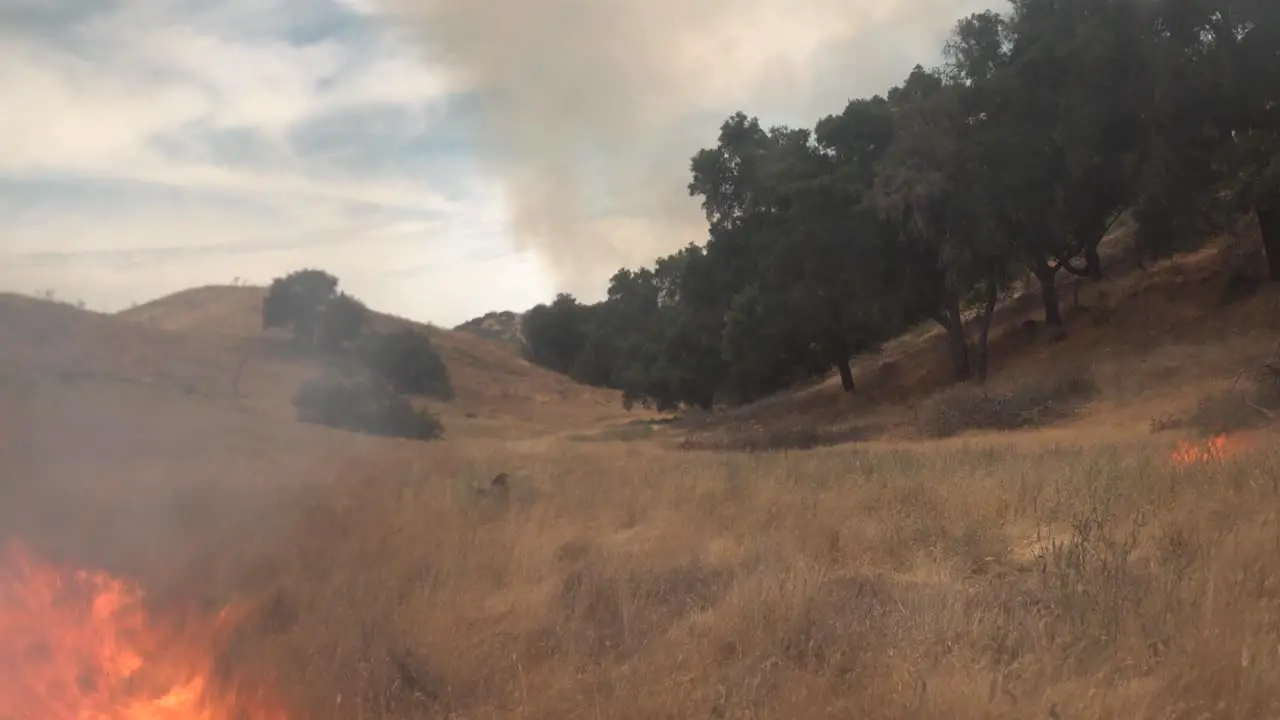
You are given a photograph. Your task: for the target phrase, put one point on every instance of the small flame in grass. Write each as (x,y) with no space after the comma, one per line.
(79,645)
(1211,450)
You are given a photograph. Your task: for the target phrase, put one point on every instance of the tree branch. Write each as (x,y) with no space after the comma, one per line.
(1078,272)
(1112,222)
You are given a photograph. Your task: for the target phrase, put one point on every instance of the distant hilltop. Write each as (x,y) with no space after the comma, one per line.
(506,327)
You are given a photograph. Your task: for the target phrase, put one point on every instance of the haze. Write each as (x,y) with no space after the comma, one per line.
(442,158)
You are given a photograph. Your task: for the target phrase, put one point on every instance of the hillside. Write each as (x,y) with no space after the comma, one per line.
(504,327)
(494,384)
(55,339)
(1155,340)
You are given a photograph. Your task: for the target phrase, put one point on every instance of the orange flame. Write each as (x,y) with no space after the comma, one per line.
(79,645)
(1213,449)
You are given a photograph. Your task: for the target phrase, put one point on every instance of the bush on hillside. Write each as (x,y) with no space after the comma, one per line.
(340,322)
(364,407)
(408,362)
(1245,406)
(1033,402)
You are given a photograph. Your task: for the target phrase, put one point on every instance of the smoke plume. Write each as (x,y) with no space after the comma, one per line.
(590,110)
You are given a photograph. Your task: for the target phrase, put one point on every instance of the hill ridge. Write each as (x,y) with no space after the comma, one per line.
(493,381)
(504,326)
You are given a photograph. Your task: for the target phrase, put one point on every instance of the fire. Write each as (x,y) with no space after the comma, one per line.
(1215,448)
(80,645)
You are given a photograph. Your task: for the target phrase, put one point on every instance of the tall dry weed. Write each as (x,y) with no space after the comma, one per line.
(950,583)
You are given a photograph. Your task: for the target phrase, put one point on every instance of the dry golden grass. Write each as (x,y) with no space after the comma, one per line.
(1071,572)
(1174,327)
(948,580)
(962,582)
(499,394)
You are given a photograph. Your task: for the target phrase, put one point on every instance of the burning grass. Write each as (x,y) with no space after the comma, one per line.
(80,645)
(1216,448)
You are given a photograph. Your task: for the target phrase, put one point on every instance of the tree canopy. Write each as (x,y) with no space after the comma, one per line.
(308,304)
(1042,127)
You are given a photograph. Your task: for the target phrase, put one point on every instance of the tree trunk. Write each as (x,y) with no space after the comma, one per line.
(959,351)
(1093,262)
(846,375)
(1269,224)
(1048,278)
(953,322)
(984,333)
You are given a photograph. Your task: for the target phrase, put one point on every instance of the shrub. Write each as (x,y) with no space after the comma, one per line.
(364,407)
(340,322)
(408,362)
(1032,403)
(1242,407)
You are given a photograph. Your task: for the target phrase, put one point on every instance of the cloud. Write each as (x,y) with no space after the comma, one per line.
(159,144)
(591,111)
(154,88)
(162,240)
(443,157)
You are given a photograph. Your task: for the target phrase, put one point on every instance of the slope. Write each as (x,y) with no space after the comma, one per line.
(58,339)
(494,385)
(1155,340)
(504,326)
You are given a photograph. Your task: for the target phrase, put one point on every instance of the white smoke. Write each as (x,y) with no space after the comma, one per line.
(590,111)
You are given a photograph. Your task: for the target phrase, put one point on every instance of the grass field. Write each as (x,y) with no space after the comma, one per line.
(964,581)
(1076,568)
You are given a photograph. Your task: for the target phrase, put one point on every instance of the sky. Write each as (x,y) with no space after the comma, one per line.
(443,158)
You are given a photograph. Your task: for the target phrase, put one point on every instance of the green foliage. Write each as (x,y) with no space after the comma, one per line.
(308,304)
(364,407)
(1046,124)
(556,334)
(408,362)
(340,322)
(754,347)
(1213,144)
